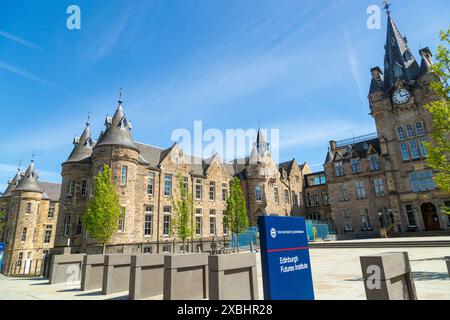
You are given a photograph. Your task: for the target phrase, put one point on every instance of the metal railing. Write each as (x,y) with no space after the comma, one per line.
(29,268)
(358,139)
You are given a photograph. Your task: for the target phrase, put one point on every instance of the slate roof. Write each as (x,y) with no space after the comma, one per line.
(52,191)
(360,149)
(29,180)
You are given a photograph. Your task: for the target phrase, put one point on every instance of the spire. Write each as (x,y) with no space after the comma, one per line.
(12,184)
(399,63)
(29,181)
(255,157)
(118,129)
(82,145)
(261,143)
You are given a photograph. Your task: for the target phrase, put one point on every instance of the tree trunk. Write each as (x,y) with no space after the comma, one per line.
(237,238)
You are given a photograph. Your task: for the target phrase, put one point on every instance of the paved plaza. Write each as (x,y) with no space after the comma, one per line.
(336,276)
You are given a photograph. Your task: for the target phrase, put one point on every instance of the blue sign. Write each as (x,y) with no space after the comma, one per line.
(286,265)
(2,249)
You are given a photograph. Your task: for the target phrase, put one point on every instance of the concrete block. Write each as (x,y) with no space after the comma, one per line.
(233,277)
(186,277)
(116,273)
(146,276)
(387,276)
(66,268)
(92,272)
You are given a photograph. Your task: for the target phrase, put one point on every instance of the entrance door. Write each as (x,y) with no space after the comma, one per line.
(430,217)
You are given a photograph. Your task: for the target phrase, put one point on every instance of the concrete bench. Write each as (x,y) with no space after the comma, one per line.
(116,273)
(186,277)
(233,277)
(92,272)
(387,276)
(146,276)
(66,268)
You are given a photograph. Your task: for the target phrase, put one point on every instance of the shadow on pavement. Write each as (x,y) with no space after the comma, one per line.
(93,293)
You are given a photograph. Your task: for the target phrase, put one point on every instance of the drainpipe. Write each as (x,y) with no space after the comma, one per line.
(159,210)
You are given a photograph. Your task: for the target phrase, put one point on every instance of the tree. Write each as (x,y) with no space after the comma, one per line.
(236,212)
(439,147)
(102,216)
(182,212)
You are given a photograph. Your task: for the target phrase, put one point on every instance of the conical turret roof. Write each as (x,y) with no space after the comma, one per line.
(29,181)
(12,184)
(82,146)
(118,130)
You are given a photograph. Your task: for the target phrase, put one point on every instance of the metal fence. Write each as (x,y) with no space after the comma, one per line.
(245,239)
(29,268)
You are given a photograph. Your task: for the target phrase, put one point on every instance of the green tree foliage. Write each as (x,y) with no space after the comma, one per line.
(103,214)
(182,212)
(439,147)
(237,218)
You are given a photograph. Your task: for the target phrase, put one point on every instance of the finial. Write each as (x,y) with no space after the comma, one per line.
(387,6)
(20,164)
(120,95)
(32,157)
(88,122)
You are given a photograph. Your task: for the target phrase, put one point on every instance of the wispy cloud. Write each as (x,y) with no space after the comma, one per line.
(354,65)
(30,76)
(18,40)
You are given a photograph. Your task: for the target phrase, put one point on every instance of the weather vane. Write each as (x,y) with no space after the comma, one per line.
(88,122)
(387,6)
(120,94)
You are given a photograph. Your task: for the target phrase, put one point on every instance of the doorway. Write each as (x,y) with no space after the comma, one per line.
(430,217)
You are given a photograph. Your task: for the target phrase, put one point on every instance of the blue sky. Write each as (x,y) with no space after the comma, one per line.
(300,66)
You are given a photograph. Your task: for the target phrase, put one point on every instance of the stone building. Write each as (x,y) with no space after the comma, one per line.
(31,211)
(317,200)
(146,179)
(383,179)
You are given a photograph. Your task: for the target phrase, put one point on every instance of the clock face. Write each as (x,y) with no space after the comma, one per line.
(401,96)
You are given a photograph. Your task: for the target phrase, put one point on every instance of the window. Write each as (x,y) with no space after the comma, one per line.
(147,249)
(166,221)
(19,259)
(198,189)
(276,196)
(80,226)
(365,220)
(316,202)
(168,185)
(71,188)
(379,187)
(414,149)
(339,166)
(28,209)
(356,166)
(325,198)
(423,149)
(343,192)
(51,211)
(409,210)
(347,220)
(401,133)
(420,129)
(198,222)
(47,234)
(374,164)
(224,192)
(300,199)
(148,220)
(258,193)
(286,196)
(83,188)
(321,179)
(405,152)
(124,175)
(24,235)
(360,190)
(422,181)
(121,226)
(225,222)
(185,185)
(212,222)
(294,199)
(66,225)
(166,248)
(410,131)
(151,183)
(297,178)
(212,191)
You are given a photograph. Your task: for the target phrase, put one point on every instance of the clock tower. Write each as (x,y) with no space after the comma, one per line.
(397,98)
